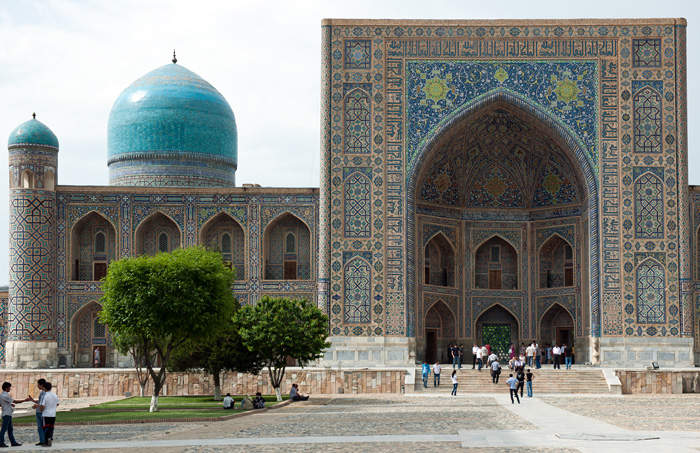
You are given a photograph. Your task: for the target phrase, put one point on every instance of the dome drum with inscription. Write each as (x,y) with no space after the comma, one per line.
(171,128)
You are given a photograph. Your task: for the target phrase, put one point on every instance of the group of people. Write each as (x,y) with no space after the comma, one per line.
(535,355)
(246,403)
(455,354)
(46,406)
(518,382)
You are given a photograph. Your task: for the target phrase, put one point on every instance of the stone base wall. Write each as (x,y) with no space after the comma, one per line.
(116,382)
(31,354)
(370,352)
(658,381)
(631,352)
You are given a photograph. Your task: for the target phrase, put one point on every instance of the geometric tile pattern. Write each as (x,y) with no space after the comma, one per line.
(646,52)
(647,116)
(357,120)
(358,292)
(651,287)
(648,207)
(358,53)
(358,216)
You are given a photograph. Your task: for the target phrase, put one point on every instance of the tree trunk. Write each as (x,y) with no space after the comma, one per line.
(154,404)
(143,389)
(217,386)
(278,393)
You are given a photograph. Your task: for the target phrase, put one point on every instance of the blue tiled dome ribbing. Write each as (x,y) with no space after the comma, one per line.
(172,128)
(32,132)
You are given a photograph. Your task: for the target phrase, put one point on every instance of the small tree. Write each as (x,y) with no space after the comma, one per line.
(277,328)
(224,352)
(166,300)
(134,346)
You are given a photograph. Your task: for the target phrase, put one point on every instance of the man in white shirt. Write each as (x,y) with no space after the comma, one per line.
(479,358)
(474,351)
(8,404)
(436,374)
(228,402)
(492,358)
(556,353)
(49,410)
(529,353)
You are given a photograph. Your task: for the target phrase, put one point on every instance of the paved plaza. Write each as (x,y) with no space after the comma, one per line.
(370,423)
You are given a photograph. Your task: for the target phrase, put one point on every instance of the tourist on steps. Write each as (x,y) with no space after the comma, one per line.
(513,386)
(460,355)
(426,373)
(495,371)
(529,376)
(479,358)
(567,356)
(556,354)
(436,374)
(475,348)
(521,381)
(454,382)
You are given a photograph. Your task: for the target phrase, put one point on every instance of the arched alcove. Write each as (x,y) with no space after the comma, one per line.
(440,329)
(27,179)
(223,233)
(556,263)
(496,265)
(49,180)
(86,334)
(439,262)
(93,246)
(157,233)
(287,249)
(499,328)
(557,326)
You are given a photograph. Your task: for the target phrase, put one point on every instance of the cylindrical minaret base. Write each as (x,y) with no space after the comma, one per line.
(31,354)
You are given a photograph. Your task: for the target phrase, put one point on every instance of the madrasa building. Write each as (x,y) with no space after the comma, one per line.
(481,182)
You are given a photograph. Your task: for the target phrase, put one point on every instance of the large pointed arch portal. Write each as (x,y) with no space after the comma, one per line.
(505,163)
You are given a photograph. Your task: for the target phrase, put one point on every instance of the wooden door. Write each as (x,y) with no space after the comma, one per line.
(290,270)
(494,279)
(431,346)
(99,271)
(568,277)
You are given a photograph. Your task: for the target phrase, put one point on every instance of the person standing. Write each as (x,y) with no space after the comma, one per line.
(426,373)
(567,357)
(495,371)
(96,354)
(8,404)
(549,354)
(539,357)
(556,353)
(513,386)
(451,354)
(529,354)
(454,382)
(529,377)
(474,351)
(521,381)
(436,374)
(492,358)
(39,415)
(49,410)
(460,355)
(479,358)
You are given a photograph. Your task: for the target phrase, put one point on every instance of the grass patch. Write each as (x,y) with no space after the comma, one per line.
(177,401)
(89,416)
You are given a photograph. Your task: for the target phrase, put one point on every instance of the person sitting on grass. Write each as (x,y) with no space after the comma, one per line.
(247,403)
(229,402)
(295,395)
(259,401)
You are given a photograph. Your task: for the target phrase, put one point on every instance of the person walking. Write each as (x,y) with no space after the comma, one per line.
(454,382)
(479,358)
(49,410)
(426,373)
(495,371)
(8,404)
(436,374)
(529,377)
(475,348)
(521,381)
(567,357)
(556,353)
(39,415)
(513,386)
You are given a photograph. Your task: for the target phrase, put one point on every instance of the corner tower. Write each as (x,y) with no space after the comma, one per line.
(171,128)
(31,336)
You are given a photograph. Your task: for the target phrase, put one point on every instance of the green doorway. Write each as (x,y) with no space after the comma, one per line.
(499,337)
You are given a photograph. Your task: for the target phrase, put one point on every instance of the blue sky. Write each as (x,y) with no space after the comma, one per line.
(69,60)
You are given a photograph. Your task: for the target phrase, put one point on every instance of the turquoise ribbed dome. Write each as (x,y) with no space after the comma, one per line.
(32,133)
(172,128)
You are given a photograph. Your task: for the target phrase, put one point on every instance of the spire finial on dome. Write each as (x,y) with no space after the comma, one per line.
(34,115)
(174,57)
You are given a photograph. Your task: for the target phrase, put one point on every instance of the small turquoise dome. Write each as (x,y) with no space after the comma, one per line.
(171,128)
(32,133)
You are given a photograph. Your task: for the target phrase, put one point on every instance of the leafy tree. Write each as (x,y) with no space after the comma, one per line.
(224,352)
(165,300)
(277,328)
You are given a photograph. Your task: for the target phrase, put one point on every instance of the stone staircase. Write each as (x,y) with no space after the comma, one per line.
(579,379)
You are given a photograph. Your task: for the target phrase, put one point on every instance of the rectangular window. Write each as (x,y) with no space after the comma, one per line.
(569,253)
(495,254)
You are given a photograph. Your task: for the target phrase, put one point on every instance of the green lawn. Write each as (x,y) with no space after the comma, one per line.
(136,408)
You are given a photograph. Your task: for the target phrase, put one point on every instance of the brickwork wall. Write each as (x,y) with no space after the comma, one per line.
(662,382)
(83,383)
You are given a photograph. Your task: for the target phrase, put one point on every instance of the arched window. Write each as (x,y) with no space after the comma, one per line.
(290,243)
(556,265)
(357,122)
(225,243)
(163,242)
(27,179)
(100,243)
(49,180)
(439,262)
(647,121)
(496,265)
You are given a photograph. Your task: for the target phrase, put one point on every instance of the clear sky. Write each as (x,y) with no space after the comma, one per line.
(69,60)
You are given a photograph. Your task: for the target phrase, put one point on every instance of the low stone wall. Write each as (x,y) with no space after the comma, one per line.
(659,381)
(115,382)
